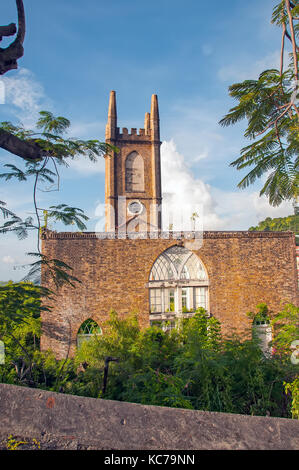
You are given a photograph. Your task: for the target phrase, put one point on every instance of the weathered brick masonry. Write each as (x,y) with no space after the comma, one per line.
(244,269)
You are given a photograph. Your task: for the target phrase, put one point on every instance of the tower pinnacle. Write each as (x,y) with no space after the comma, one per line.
(112,117)
(154,118)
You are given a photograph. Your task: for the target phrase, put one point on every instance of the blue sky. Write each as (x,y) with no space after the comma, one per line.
(186,52)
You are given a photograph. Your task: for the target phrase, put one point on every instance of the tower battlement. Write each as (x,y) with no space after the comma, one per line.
(134,134)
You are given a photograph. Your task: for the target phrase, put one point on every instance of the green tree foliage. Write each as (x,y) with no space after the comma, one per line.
(58,149)
(20,308)
(191,366)
(20,329)
(286,325)
(269,106)
(279,224)
(293,388)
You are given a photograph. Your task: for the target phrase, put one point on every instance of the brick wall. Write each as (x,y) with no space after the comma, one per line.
(244,269)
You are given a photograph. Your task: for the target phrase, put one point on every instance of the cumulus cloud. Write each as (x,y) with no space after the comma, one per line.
(240,210)
(184,193)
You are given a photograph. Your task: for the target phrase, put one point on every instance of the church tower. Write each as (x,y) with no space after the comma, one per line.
(133,174)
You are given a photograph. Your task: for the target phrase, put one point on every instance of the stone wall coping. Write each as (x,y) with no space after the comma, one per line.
(107,424)
(48,235)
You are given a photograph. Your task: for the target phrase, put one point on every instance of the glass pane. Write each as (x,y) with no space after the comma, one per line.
(177,263)
(171,300)
(155,300)
(162,270)
(169,296)
(201,297)
(184,300)
(195,268)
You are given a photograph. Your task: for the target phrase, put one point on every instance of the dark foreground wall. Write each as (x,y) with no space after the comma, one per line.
(66,421)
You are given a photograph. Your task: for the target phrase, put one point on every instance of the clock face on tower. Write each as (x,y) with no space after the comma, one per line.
(135,207)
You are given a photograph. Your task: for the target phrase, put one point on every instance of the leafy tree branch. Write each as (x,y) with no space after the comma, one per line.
(269,105)
(58,149)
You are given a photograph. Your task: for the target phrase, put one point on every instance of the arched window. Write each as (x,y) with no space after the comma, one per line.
(134,173)
(87,330)
(178,285)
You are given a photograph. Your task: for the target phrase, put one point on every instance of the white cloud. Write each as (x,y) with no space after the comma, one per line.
(249,69)
(85,167)
(240,210)
(13,256)
(8,259)
(184,193)
(80,164)
(26,94)
(194,126)
(88,130)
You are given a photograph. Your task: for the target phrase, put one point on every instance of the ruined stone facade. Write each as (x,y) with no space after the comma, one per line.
(135,266)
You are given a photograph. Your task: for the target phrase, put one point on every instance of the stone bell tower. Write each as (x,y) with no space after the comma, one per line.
(133,174)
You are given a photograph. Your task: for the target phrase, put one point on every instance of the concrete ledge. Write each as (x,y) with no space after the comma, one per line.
(77,422)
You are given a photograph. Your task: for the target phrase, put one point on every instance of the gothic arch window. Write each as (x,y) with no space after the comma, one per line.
(178,285)
(134,172)
(87,330)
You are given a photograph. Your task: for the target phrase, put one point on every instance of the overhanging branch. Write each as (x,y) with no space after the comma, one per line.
(22,148)
(10,55)
(8,30)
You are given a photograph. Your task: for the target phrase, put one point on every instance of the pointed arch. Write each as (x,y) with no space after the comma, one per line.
(178,285)
(134,172)
(178,263)
(88,329)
